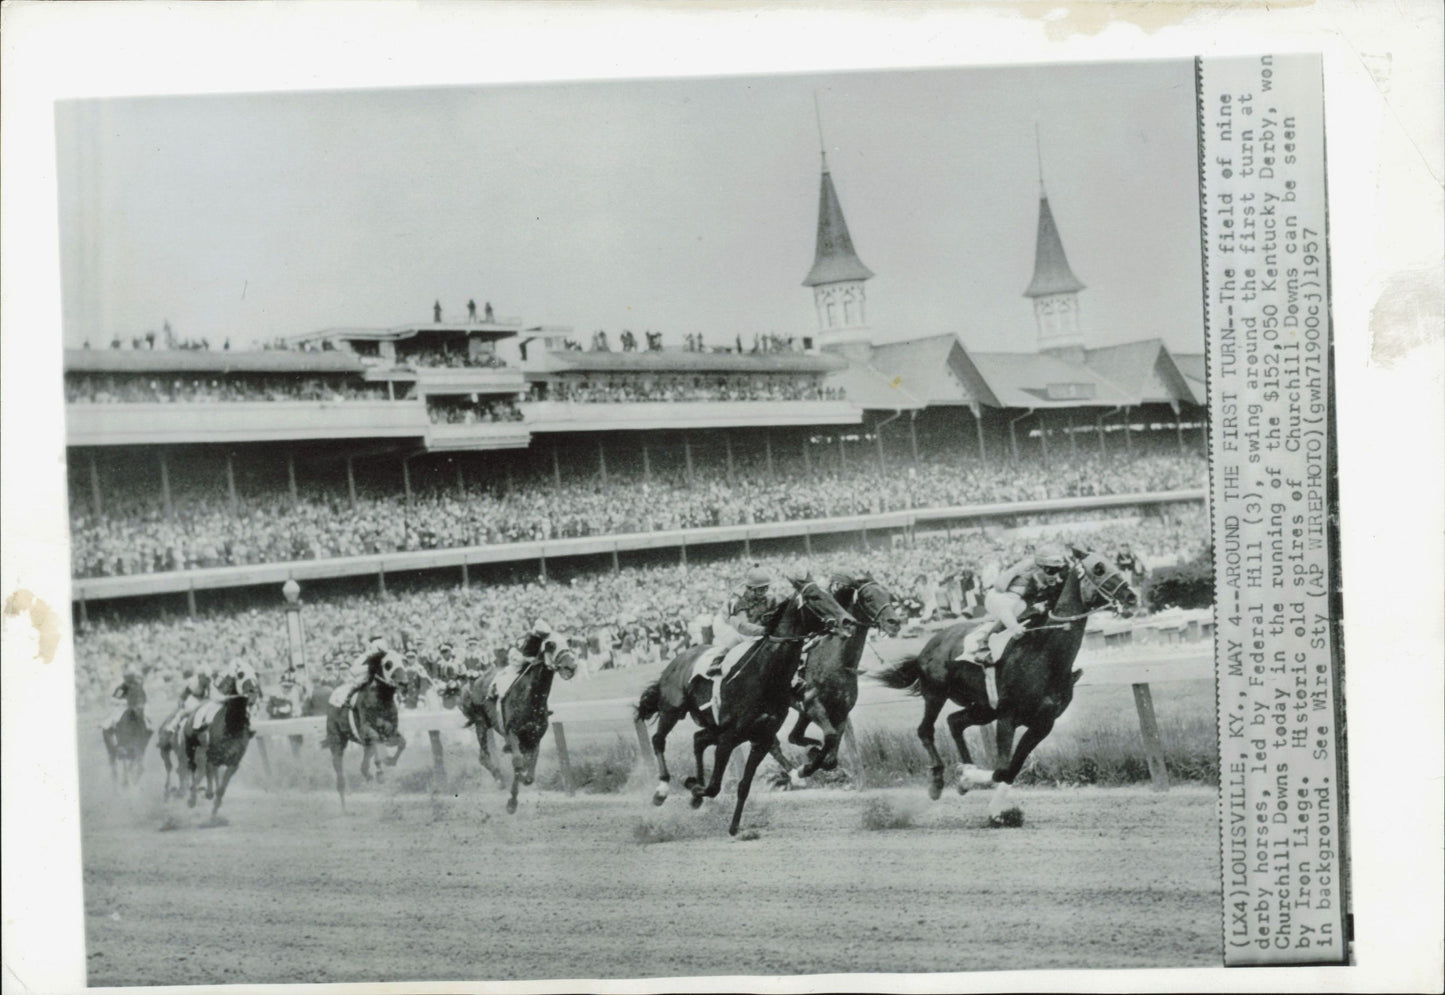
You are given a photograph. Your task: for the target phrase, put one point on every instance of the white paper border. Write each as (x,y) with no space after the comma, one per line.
(1383,67)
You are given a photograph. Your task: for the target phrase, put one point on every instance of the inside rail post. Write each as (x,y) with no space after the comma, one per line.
(644,742)
(84,615)
(563,761)
(380,580)
(295,739)
(747,546)
(850,739)
(191,601)
(438,764)
(808,542)
(265,756)
(1149,729)
(616,564)
(466,576)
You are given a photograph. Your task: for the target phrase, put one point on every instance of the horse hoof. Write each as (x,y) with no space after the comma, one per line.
(1008,819)
(962,788)
(690,782)
(511,806)
(191,802)
(658,799)
(696,801)
(935,791)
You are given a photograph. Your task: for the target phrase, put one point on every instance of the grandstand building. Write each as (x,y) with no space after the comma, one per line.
(453,409)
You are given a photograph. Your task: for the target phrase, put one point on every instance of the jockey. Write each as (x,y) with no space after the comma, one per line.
(366,666)
(1034,579)
(195,690)
(130,684)
(527,649)
(747,609)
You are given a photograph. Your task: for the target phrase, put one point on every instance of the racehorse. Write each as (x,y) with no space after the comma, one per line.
(754,698)
(519,715)
(126,740)
(1034,676)
(213,736)
(369,720)
(830,672)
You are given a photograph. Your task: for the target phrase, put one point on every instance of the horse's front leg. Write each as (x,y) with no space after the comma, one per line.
(726,743)
(226,773)
(165,752)
(110,748)
(756,752)
(400,742)
(484,754)
(519,771)
(338,748)
(795,780)
(368,754)
(824,757)
(931,707)
(701,740)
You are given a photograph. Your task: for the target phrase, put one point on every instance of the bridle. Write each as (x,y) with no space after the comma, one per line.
(829,624)
(1109,587)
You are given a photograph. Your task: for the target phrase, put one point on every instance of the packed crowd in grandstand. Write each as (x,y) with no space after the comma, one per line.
(473,413)
(429,357)
(104,388)
(633,616)
(134,535)
(690,388)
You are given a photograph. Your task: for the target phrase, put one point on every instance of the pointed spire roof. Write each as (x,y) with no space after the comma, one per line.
(835,260)
(1051,267)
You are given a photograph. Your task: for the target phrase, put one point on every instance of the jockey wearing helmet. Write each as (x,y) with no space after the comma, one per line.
(748,608)
(366,666)
(1034,579)
(130,687)
(195,690)
(527,649)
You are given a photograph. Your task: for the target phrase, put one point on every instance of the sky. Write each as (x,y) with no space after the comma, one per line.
(673,205)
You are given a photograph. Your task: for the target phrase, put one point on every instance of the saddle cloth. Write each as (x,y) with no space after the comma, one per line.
(729,660)
(501,684)
(204,713)
(997,643)
(338,695)
(717,661)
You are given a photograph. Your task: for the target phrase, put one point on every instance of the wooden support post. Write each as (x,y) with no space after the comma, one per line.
(1179,431)
(96,504)
(863,532)
(165,483)
(1044,437)
(682,554)
(351,481)
(231,481)
(842,453)
(543,561)
(978,426)
(768,449)
(1013,439)
(1128,436)
(406,478)
(461,481)
(191,601)
(466,577)
(747,546)
(1149,729)
(646,464)
(807,455)
(556,465)
(84,615)
(601,462)
(291,477)
(616,566)
(913,435)
(878,437)
(295,739)
(687,456)
(265,755)
(438,763)
(728,446)
(562,759)
(644,742)
(850,740)
(1073,437)
(1102,448)
(808,543)
(507,479)
(381,581)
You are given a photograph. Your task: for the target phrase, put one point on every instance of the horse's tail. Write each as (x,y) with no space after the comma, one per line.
(905,675)
(650,702)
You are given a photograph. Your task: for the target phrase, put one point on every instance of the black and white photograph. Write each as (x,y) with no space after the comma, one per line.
(741,525)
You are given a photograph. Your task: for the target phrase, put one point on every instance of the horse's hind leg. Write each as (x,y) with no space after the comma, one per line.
(519,770)
(484,754)
(726,743)
(226,773)
(337,750)
(701,740)
(796,737)
(666,719)
(400,745)
(1002,803)
(756,752)
(931,707)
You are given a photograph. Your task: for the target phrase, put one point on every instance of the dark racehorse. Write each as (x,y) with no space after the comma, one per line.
(1035,676)
(370,720)
(522,721)
(754,699)
(125,742)
(830,672)
(214,737)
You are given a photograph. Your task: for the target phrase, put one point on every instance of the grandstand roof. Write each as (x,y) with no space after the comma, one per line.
(208,361)
(935,369)
(870,388)
(1052,274)
(1039,380)
(684,361)
(1192,365)
(835,261)
(497,329)
(1144,368)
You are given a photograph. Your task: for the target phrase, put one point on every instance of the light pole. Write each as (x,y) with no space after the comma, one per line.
(295,635)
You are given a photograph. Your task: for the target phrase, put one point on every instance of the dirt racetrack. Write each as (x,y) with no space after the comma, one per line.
(416,886)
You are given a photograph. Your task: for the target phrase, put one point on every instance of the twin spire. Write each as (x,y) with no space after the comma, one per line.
(834,261)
